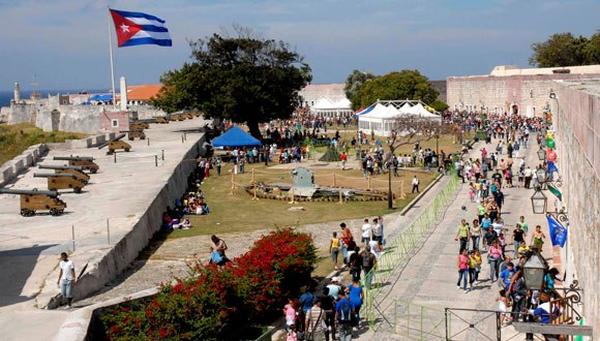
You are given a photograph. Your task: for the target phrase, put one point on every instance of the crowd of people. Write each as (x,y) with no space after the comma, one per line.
(489,176)
(192,201)
(335,313)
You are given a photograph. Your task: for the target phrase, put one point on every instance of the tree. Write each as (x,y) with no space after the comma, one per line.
(355,81)
(438,105)
(406,84)
(591,50)
(410,130)
(561,49)
(243,78)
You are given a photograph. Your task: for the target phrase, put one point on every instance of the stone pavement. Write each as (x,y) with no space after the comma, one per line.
(429,280)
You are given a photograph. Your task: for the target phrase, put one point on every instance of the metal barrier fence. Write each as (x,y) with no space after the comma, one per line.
(399,250)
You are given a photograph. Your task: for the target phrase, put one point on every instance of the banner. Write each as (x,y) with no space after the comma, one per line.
(558,233)
(555,191)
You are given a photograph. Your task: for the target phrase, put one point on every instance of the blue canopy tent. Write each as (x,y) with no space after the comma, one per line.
(235,137)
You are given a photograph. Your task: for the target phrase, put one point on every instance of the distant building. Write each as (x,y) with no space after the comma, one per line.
(142,94)
(328,100)
(511,89)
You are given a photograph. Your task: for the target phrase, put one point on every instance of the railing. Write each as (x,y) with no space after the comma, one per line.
(400,249)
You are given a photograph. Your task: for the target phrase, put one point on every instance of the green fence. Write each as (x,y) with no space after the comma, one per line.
(400,249)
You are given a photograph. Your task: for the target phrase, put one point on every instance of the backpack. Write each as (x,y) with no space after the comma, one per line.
(345,311)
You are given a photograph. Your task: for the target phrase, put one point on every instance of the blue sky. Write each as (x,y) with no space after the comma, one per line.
(64,42)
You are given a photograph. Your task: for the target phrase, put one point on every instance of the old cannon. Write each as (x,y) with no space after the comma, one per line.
(138,125)
(115,144)
(35,200)
(85,162)
(75,170)
(135,134)
(61,181)
(161,120)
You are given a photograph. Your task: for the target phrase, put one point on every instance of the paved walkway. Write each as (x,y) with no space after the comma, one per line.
(429,280)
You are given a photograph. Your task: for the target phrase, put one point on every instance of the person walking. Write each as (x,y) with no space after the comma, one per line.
(334,249)
(346,239)
(494,259)
(463,269)
(475,233)
(66,278)
(356,295)
(518,238)
(415,184)
(366,232)
(462,234)
(537,239)
(343,313)
(368,263)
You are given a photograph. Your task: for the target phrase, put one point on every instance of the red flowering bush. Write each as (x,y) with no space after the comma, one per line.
(251,287)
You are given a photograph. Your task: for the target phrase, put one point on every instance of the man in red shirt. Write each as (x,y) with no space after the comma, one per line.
(346,238)
(343,158)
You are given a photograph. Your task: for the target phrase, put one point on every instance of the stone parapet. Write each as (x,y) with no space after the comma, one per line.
(577,124)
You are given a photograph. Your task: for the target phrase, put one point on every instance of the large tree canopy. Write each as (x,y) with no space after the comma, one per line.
(244,78)
(565,49)
(354,81)
(405,84)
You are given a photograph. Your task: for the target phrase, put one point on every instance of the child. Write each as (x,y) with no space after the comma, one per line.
(474,266)
(334,249)
(503,304)
(290,315)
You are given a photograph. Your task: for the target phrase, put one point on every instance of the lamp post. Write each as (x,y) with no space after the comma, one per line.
(533,271)
(541,154)
(539,201)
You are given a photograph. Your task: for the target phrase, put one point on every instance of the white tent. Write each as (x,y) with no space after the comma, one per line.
(382,119)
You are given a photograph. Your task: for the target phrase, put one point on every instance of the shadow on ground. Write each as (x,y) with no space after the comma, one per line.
(17,265)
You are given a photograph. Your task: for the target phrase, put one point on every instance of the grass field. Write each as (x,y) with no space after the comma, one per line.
(14,139)
(238,213)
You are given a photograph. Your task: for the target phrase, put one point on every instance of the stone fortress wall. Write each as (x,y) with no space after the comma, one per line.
(508,88)
(51,116)
(577,125)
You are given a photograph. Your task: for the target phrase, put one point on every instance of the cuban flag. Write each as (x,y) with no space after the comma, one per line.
(136,28)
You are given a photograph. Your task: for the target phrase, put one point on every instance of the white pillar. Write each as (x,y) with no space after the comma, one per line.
(17,93)
(123,87)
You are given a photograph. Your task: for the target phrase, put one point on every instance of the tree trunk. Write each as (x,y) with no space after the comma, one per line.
(254,131)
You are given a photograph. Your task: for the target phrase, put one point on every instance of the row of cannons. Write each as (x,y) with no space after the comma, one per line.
(75,176)
(136,131)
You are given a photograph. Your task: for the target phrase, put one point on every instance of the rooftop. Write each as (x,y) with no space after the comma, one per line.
(143,92)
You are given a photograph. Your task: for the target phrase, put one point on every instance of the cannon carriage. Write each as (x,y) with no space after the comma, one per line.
(74,170)
(115,144)
(85,162)
(35,200)
(61,181)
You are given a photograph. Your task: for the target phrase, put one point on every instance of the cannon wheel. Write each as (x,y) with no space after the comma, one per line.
(27,212)
(77,189)
(55,212)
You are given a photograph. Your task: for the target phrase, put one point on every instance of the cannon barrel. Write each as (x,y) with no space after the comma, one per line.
(73,158)
(116,138)
(34,191)
(60,167)
(50,175)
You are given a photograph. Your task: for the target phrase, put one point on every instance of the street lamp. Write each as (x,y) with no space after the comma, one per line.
(540,175)
(541,154)
(539,201)
(533,271)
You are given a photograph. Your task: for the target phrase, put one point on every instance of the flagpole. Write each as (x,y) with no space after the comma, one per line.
(112,62)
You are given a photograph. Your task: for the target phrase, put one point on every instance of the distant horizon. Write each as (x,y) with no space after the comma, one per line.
(63,44)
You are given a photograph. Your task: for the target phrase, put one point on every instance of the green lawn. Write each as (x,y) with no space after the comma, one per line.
(238,212)
(15,138)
